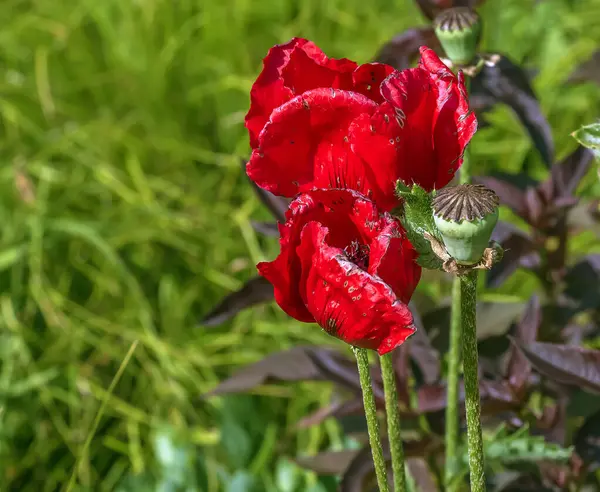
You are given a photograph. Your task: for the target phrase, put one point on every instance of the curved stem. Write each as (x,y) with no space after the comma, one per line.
(393,422)
(452,414)
(362,360)
(468,284)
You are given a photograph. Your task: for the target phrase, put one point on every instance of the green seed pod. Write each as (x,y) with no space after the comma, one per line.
(459,31)
(466,215)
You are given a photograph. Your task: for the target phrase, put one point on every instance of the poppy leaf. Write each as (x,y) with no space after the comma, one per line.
(589,137)
(417,219)
(567,364)
(403,49)
(296,364)
(255,291)
(508,83)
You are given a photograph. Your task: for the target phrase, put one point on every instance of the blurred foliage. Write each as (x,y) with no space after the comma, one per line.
(126,218)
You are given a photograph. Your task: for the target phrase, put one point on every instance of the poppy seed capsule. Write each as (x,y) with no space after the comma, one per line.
(458,30)
(466,215)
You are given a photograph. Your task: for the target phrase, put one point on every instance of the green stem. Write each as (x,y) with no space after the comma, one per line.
(475,440)
(452,414)
(362,360)
(393,422)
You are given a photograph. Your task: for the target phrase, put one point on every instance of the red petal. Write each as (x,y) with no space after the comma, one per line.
(367,79)
(269,91)
(393,259)
(420,133)
(304,145)
(304,73)
(346,301)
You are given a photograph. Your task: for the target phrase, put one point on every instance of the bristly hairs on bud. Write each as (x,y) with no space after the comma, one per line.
(416,216)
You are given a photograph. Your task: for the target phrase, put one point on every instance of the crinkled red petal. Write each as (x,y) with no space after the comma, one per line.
(305,144)
(367,79)
(346,301)
(419,134)
(270,91)
(393,259)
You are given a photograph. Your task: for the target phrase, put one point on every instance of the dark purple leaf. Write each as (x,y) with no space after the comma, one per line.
(360,474)
(277,205)
(587,440)
(509,194)
(328,462)
(266,228)
(422,352)
(566,364)
(421,474)
(297,364)
(255,291)
(518,369)
(337,462)
(588,71)
(507,83)
(583,284)
(535,206)
(403,49)
(523,483)
(517,246)
(567,174)
(494,318)
(340,370)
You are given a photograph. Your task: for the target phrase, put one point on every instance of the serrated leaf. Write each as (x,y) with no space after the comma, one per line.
(522,447)
(417,219)
(589,136)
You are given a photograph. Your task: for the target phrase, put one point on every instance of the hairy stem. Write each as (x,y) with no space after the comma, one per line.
(472,403)
(362,360)
(393,422)
(452,413)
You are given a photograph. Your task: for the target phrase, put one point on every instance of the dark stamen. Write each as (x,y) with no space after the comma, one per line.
(358,254)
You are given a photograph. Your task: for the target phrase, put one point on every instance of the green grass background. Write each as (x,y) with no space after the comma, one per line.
(125,217)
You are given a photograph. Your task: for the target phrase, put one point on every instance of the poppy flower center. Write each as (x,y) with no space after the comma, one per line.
(358,254)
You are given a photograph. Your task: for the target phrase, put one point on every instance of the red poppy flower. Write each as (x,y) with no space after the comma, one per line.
(315,122)
(347,267)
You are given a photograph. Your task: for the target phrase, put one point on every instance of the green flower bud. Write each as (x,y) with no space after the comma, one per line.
(459,31)
(466,215)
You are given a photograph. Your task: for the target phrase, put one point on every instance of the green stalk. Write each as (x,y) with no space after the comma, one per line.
(362,360)
(452,413)
(393,422)
(472,403)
